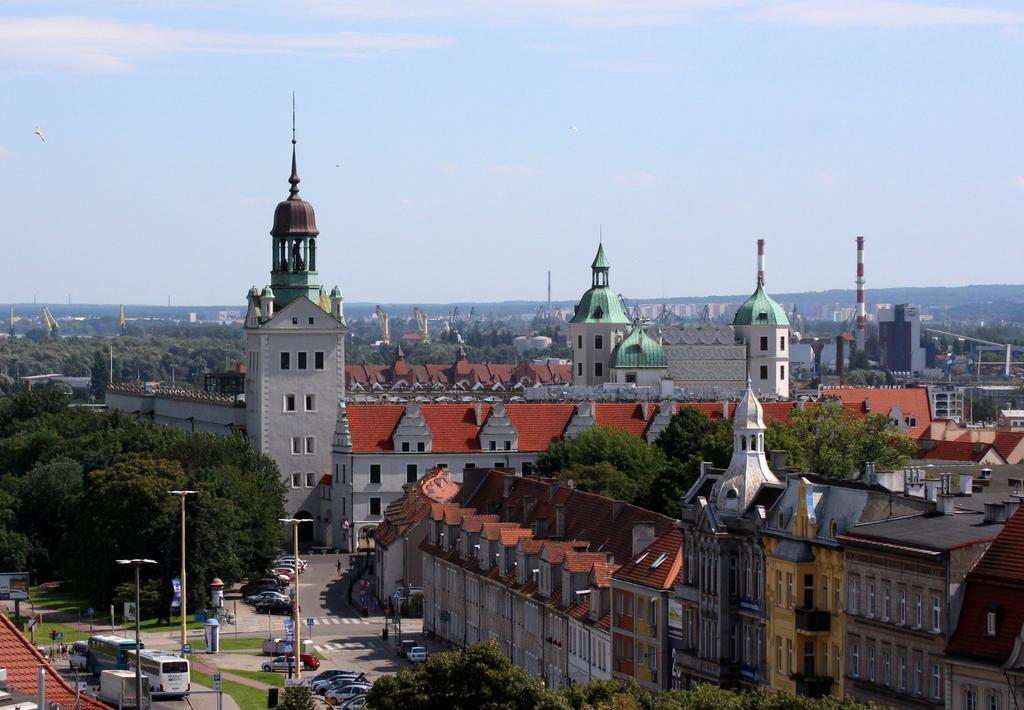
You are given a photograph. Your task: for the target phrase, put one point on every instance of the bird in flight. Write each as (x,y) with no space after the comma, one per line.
(39,132)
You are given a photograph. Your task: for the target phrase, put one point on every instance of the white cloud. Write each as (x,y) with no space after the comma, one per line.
(446,166)
(826,179)
(514,170)
(878,13)
(640,178)
(4,151)
(1017,181)
(99,45)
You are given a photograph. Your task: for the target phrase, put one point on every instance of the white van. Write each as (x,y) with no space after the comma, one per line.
(77,655)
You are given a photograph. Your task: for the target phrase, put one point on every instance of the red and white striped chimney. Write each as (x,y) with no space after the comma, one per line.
(861,311)
(760,261)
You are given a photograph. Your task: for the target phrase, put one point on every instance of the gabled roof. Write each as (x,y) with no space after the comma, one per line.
(1009,446)
(435,488)
(658,566)
(372,425)
(912,401)
(956,451)
(995,584)
(23,661)
(453,428)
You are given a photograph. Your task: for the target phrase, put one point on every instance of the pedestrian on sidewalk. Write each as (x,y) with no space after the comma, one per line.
(339,566)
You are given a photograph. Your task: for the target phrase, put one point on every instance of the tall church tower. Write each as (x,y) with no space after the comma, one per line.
(295,364)
(597,326)
(764,328)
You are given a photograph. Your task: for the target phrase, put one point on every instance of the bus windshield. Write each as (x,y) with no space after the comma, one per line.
(176,667)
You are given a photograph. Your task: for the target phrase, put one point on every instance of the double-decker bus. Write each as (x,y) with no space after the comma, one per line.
(108,653)
(168,674)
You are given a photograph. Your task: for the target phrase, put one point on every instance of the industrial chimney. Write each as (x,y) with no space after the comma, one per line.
(861,312)
(760,261)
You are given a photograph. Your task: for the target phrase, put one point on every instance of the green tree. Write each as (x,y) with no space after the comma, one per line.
(100,371)
(858,360)
(479,677)
(297,697)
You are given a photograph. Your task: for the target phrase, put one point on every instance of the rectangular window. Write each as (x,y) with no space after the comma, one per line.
(970,699)
(374,473)
(871,600)
(918,610)
(405,447)
(289,403)
(508,446)
(492,445)
(990,623)
(598,342)
(598,369)
(918,676)
(853,602)
(421,446)
(310,480)
(936,681)
(789,590)
(778,654)
(936,615)
(901,606)
(296,480)
(782,343)
(782,372)
(579,343)
(764,372)
(886,602)
(411,474)
(789,656)
(855,659)
(301,357)
(764,343)
(871,663)
(579,369)
(886,667)
(310,402)
(310,445)
(318,360)
(296,444)
(901,671)
(286,361)
(778,588)
(374,506)
(808,591)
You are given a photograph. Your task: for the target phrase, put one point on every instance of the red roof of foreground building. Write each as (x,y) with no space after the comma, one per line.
(22,662)
(371,425)
(453,427)
(539,424)
(995,584)
(435,488)
(1008,446)
(626,416)
(659,566)
(912,401)
(955,451)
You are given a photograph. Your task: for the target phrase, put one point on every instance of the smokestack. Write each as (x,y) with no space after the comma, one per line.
(861,314)
(760,261)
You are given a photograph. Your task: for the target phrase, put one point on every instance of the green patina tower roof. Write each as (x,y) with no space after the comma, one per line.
(639,350)
(760,309)
(600,304)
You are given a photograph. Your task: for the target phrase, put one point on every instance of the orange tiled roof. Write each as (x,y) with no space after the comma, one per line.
(1008,446)
(626,416)
(955,451)
(578,562)
(453,428)
(539,424)
(475,523)
(403,513)
(22,662)
(371,426)
(912,401)
(653,570)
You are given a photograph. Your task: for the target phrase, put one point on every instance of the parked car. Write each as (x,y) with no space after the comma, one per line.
(77,655)
(356,702)
(324,676)
(417,654)
(274,606)
(267,595)
(286,663)
(340,695)
(402,649)
(339,681)
(255,586)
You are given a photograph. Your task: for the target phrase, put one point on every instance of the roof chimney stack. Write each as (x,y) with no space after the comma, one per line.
(861,308)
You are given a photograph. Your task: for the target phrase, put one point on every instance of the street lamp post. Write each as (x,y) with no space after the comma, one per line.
(296,647)
(137,563)
(184,613)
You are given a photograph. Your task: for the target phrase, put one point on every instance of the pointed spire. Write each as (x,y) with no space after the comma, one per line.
(294,179)
(342,434)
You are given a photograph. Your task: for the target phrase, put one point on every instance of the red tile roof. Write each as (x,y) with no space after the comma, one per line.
(372,425)
(659,566)
(955,451)
(1008,446)
(582,562)
(995,584)
(912,401)
(453,427)
(539,424)
(460,372)
(22,662)
(626,416)
(475,523)
(436,487)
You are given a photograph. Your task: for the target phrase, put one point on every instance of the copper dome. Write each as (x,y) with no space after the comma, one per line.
(294,217)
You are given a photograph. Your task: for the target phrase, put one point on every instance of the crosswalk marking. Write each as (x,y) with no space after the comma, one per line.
(323,620)
(343,646)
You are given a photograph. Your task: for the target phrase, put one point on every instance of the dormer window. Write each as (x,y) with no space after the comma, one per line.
(991,622)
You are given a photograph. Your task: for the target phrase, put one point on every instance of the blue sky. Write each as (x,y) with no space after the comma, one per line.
(436,142)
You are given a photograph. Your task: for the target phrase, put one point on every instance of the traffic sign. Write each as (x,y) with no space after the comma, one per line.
(33,623)
(216,681)
(186,649)
(58,635)
(396,594)
(90,611)
(394,619)
(309,621)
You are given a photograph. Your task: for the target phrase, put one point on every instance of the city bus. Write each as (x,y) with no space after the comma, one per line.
(168,674)
(108,653)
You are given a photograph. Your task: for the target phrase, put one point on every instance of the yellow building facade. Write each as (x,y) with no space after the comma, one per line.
(804,591)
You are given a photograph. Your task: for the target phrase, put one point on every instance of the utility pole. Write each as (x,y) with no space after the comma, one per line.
(184,613)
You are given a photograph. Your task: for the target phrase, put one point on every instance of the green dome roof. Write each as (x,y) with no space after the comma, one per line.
(760,309)
(268,292)
(639,350)
(600,305)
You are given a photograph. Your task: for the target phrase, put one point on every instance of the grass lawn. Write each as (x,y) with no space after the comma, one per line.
(230,643)
(51,599)
(246,697)
(268,678)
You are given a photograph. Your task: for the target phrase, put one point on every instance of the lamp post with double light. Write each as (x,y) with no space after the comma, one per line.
(137,564)
(296,646)
(184,613)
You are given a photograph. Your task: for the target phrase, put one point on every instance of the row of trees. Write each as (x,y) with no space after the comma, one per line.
(482,677)
(80,488)
(824,438)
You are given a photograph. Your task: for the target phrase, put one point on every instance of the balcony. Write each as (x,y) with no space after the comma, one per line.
(813,687)
(813,621)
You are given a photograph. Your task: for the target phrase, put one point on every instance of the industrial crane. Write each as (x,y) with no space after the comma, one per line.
(422,324)
(52,326)
(121,321)
(1009,348)
(10,328)
(383,322)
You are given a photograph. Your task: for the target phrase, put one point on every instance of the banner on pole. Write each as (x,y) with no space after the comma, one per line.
(176,590)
